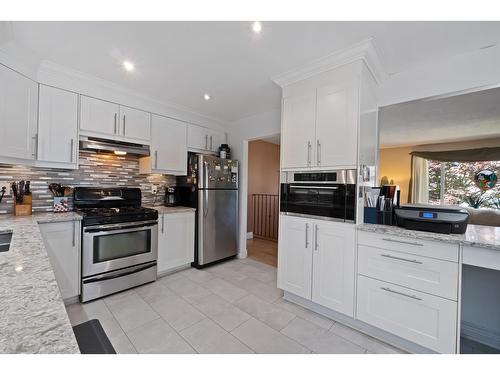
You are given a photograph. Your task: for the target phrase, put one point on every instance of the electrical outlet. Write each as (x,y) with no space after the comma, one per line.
(154,189)
(7,187)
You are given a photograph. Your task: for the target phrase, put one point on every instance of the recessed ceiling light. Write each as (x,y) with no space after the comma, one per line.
(128,66)
(120,152)
(206,97)
(257,27)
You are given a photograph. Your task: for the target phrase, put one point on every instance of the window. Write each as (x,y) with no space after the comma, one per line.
(453,183)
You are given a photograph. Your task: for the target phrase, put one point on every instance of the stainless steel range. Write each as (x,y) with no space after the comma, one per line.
(119,240)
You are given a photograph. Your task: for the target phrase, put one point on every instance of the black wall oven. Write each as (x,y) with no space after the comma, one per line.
(330,195)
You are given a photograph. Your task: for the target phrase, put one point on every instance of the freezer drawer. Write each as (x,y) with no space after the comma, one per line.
(217,225)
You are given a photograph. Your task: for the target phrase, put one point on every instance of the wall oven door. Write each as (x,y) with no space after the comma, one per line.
(111,247)
(326,200)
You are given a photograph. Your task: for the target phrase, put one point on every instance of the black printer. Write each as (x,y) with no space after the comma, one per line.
(439,219)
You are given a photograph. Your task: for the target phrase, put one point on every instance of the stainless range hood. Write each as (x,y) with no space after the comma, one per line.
(116,147)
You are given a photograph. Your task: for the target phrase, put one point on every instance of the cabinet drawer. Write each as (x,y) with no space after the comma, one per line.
(427,275)
(426,320)
(432,249)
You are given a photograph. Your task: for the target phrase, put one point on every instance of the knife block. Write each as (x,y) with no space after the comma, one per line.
(23,209)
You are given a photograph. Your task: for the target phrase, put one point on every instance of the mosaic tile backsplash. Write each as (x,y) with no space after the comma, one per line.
(95,169)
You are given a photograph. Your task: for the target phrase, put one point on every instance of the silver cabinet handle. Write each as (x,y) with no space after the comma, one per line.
(405,242)
(74,233)
(308,153)
(307,237)
(401,293)
(403,259)
(116,121)
(156,158)
(206,141)
(35,147)
(315,237)
(318,151)
(123,124)
(72,151)
(163,223)
(211,148)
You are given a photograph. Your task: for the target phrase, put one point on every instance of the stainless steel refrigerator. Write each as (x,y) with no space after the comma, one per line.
(211,187)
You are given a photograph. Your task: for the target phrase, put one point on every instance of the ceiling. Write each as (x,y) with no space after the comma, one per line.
(180,61)
(458,118)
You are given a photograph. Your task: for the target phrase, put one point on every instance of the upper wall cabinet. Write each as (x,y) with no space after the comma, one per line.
(168,147)
(98,117)
(204,139)
(135,124)
(18,115)
(58,126)
(104,119)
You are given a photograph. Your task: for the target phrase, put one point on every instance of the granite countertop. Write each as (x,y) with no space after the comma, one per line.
(476,235)
(32,314)
(171,210)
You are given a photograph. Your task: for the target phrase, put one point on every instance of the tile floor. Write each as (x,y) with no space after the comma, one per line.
(232,307)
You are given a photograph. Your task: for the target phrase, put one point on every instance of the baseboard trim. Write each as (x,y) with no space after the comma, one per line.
(358,325)
(173,270)
(480,334)
(249,235)
(71,300)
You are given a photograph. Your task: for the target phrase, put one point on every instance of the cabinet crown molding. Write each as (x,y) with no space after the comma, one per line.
(364,51)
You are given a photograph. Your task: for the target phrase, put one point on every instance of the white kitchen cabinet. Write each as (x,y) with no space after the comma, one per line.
(333,266)
(168,147)
(18,115)
(424,319)
(58,126)
(98,117)
(298,129)
(200,138)
(175,241)
(337,111)
(295,248)
(62,242)
(135,125)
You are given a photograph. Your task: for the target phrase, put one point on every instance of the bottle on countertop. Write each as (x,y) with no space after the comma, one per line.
(224,151)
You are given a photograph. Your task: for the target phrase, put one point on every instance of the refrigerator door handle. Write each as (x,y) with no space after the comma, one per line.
(205,203)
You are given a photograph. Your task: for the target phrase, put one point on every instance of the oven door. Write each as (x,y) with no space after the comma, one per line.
(325,200)
(110,247)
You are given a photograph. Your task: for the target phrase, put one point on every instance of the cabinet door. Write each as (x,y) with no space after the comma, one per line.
(98,116)
(333,266)
(337,126)
(298,131)
(295,255)
(57,125)
(176,241)
(18,115)
(198,137)
(215,139)
(135,124)
(62,242)
(169,145)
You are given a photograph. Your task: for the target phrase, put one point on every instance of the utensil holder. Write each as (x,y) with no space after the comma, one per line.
(370,215)
(384,217)
(61,204)
(25,208)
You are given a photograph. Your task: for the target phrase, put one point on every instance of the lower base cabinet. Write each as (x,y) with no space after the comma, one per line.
(62,242)
(175,241)
(317,261)
(422,318)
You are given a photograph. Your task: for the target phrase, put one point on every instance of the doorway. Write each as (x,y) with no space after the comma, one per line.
(263,199)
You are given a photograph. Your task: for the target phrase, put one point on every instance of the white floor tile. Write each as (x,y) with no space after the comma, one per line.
(264,291)
(266,312)
(153,292)
(122,345)
(130,310)
(82,312)
(196,275)
(225,289)
(319,340)
(222,312)
(187,289)
(258,273)
(158,337)
(177,312)
(209,338)
(263,339)
(308,315)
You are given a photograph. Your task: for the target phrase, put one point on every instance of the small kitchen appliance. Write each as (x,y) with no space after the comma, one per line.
(119,240)
(438,219)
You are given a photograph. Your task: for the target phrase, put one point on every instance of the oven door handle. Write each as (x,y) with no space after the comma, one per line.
(314,187)
(118,227)
(119,273)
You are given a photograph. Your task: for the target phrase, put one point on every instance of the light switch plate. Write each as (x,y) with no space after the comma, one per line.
(154,189)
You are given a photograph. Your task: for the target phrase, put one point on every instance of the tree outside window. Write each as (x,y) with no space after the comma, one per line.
(453,183)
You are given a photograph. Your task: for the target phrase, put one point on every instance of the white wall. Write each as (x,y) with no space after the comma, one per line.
(239,133)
